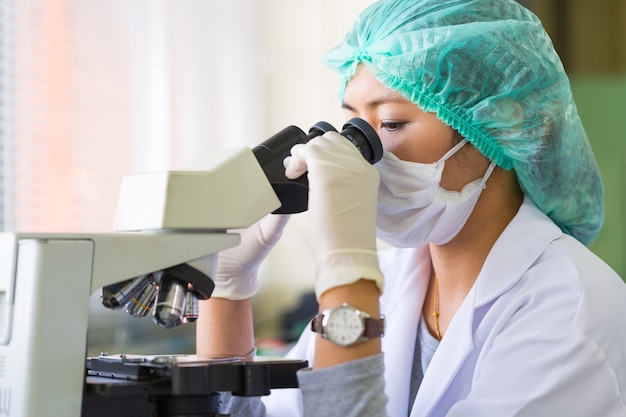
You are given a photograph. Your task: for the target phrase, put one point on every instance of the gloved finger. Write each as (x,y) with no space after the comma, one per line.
(338,148)
(271,227)
(296,165)
(236,272)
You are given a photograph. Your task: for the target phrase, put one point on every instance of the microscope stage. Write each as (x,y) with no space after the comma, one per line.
(160,385)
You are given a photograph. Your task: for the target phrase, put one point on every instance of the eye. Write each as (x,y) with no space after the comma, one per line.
(392,125)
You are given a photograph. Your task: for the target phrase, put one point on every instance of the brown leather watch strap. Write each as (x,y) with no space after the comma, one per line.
(316,324)
(373,327)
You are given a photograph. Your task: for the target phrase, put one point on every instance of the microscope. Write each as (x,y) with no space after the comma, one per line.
(164,222)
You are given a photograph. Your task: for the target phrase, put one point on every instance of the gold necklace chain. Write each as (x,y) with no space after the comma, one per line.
(436,309)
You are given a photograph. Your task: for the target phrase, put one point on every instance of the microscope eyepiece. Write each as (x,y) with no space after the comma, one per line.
(359,132)
(293,194)
(320,128)
(364,137)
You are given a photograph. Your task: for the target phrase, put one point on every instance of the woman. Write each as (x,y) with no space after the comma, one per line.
(489,192)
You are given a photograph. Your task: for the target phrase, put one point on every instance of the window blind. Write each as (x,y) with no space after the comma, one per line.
(92,91)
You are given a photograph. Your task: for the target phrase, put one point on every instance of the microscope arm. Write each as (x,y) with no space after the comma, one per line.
(218,190)
(121,256)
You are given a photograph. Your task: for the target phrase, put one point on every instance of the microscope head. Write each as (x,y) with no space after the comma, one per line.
(217,191)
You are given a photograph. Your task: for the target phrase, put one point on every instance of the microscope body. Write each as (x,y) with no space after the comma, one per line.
(164,220)
(45,284)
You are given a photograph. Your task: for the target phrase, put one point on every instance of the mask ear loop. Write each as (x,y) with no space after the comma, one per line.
(483,185)
(452,151)
(490,168)
(455,149)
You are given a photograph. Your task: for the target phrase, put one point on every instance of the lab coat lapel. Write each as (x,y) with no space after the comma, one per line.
(402,310)
(458,342)
(448,358)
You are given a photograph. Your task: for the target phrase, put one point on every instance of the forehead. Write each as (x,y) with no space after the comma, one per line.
(364,89)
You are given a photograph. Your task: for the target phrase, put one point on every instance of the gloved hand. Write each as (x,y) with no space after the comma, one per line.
(236,271)
(343,191)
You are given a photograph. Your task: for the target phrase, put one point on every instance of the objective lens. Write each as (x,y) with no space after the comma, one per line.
(170,304)
(191,307)
(141,305)
(116,296)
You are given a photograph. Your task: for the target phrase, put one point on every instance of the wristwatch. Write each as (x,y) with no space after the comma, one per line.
(347,326)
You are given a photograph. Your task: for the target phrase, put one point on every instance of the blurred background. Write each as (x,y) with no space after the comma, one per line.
(91,91)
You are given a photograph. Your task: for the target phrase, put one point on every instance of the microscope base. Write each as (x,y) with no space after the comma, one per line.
(179,385)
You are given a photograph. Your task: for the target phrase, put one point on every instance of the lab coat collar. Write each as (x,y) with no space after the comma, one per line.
(518,247)
(528,233)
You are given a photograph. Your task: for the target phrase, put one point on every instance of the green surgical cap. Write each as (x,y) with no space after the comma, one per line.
(488,69)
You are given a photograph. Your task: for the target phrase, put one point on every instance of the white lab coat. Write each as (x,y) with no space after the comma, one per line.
(541,333)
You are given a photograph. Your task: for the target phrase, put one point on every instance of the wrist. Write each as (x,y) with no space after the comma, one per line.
(347,266)
(362,295)
(237,288)
(224,328)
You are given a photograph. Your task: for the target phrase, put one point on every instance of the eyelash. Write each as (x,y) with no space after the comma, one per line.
(392,126)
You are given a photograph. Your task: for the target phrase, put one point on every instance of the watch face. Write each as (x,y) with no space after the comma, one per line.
(344,326)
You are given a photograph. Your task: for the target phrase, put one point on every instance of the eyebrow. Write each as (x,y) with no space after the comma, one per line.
(376,102)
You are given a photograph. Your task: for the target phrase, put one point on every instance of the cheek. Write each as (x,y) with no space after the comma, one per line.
(462,168)
(418,145)
(394,144)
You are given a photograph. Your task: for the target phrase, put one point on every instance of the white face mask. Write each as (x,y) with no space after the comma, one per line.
(414,210)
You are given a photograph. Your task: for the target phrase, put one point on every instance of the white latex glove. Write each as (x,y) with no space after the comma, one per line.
(343,190)
(236,271)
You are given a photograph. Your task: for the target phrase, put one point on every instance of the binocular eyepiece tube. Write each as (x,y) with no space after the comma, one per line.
(294,194)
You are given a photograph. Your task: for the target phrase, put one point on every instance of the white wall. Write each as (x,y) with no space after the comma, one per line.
(300,90)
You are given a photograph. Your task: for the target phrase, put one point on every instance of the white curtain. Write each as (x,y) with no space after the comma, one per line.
(93,90)
(101,89)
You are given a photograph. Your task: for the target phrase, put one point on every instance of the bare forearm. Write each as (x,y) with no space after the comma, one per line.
(224,328)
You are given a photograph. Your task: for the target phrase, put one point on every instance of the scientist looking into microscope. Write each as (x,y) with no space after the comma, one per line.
(488,191)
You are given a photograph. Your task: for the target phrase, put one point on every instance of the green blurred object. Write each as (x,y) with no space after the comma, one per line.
(601,103)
